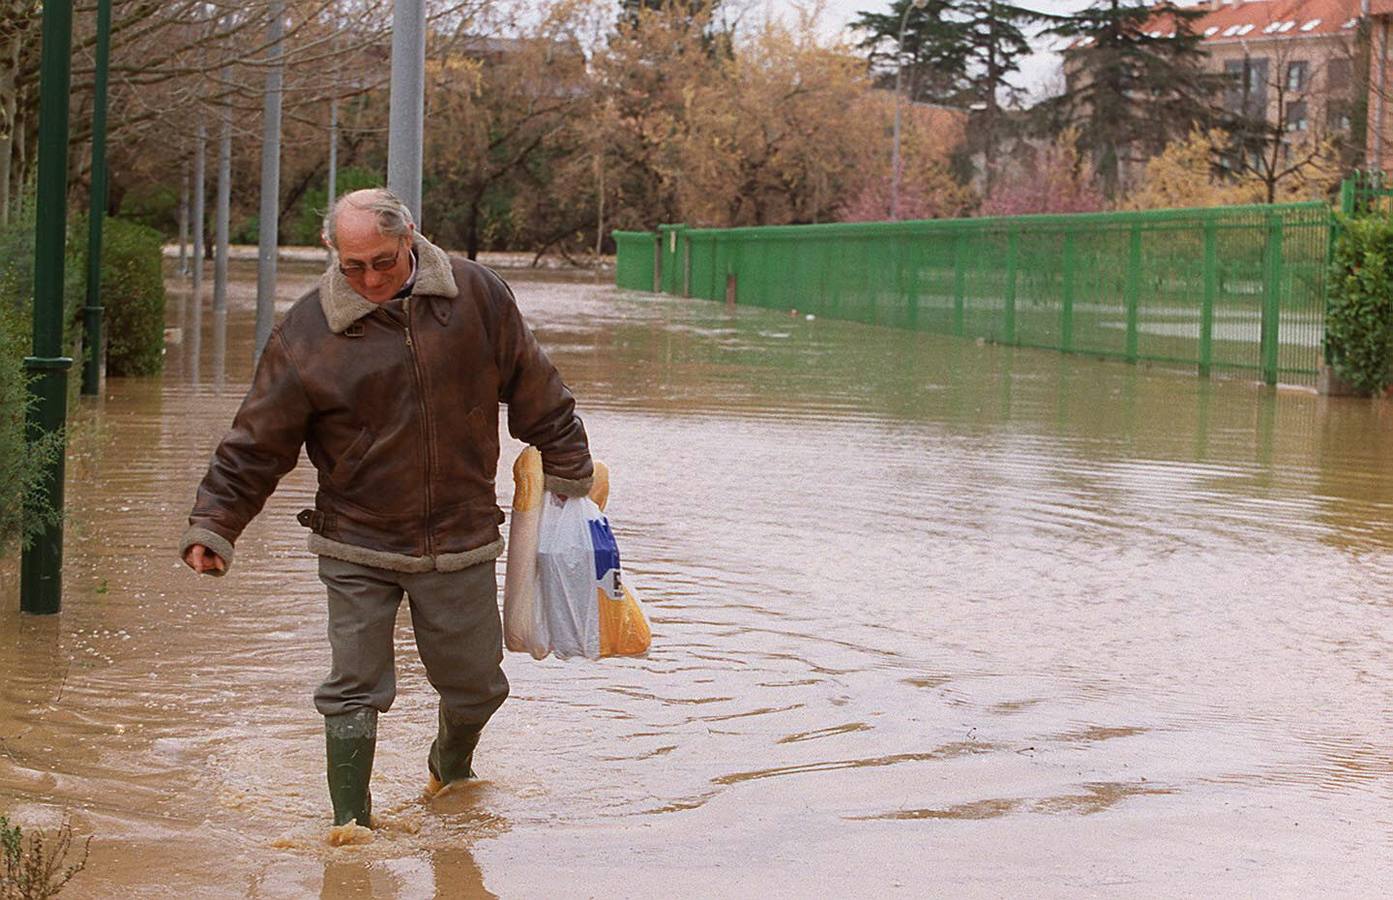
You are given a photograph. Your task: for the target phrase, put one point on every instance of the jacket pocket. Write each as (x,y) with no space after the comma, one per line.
(348,463)
(481,430)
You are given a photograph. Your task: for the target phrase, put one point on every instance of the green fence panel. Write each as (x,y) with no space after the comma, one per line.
(634,260)
(672,262)
(1190,287)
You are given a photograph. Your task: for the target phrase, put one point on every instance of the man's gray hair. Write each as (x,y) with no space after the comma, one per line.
(393,218)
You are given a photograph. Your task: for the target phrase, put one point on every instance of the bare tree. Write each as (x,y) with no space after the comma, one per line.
(1284,130)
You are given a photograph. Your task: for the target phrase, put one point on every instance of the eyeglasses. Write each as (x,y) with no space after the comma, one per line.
(381,264)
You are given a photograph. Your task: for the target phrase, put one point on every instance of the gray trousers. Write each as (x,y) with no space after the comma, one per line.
(454,616)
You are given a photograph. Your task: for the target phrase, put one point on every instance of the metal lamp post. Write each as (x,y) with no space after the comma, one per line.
(899,72)
(268,225)
(41,568)
(92,312)
(406,99)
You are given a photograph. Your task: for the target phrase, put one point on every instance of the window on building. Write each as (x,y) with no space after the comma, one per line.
(1337,74)
(1296,116)
(1296,75)
(1337,117)
(1233,93)
(1246,94)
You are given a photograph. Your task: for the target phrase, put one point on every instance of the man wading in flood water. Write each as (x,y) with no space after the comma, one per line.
(391,372)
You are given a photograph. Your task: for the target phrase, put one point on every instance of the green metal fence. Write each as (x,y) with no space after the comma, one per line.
(1240,288)
(1366,193)
(635,266)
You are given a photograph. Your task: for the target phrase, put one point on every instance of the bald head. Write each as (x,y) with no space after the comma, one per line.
(371,234)
(365,214)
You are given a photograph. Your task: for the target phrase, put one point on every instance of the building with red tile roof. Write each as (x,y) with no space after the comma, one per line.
(1299,64)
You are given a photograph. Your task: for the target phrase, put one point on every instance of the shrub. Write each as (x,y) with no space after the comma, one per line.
(1059,181)
(306,218)
(1359,308)
(32,868)
(133,295)
(153,205)
(24,510)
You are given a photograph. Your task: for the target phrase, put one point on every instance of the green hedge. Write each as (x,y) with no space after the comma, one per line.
(133,295)
(1359,312)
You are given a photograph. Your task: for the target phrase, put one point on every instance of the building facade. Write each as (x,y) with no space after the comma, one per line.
(1295,64)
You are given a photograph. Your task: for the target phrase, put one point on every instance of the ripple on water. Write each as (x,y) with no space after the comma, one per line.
(893,578)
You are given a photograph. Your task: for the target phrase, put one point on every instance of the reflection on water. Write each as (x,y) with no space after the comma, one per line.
(910,595)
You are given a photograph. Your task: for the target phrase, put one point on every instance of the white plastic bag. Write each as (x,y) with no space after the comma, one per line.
(584,608)
(566,575)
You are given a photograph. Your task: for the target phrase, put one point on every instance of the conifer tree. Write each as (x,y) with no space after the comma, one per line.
(994,41)
(960,54)
(934,55)
(1136,79)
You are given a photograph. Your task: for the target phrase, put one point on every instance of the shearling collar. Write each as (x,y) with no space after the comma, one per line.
(343,306)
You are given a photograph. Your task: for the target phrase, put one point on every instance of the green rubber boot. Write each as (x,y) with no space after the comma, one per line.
(452,753)
(350,740)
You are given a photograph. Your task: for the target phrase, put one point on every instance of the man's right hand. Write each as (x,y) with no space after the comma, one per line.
(204,561)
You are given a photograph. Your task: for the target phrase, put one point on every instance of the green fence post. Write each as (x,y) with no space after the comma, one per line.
(912,288)
(670,267)
(657,262)
(1211,290)
(1066,311)
(1012,249)
(959,284)
(1347,196)
(1332,239)
(1271,299)
(686,264)
(1133,290)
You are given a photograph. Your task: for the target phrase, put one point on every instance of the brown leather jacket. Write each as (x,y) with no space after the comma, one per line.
(398,407)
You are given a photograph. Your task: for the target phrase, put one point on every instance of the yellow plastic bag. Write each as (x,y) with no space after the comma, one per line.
(622,629)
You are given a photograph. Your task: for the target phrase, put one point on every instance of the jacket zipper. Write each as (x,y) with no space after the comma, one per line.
(425,420)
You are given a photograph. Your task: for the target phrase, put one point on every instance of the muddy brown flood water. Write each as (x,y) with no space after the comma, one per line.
(930,618)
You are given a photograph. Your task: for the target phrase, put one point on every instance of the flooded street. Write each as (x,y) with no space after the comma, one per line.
(930,618)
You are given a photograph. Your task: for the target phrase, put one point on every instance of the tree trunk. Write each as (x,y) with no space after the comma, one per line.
(471,230)
(600,217)
(184,220)
(7,102)
(21,157)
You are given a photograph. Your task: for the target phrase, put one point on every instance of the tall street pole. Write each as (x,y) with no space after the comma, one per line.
(200,198)
(899,71)
(332,188)
(333,185)
(96,213)
(333,149)
(184,220)
(407,102)
(269,223)
(41,567)
(222,212)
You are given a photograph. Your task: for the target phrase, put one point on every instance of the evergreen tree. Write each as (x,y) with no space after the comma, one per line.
(960,54)
(1136,80)
(933,59)
(993,43)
